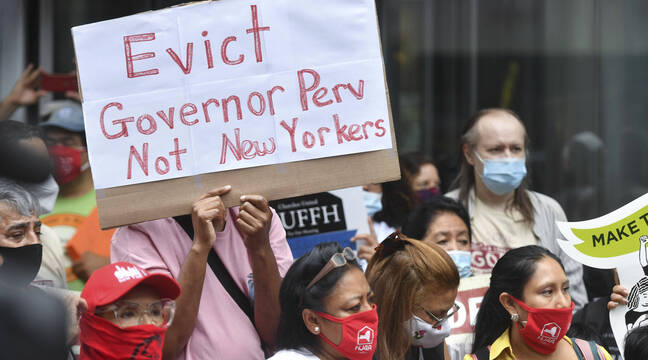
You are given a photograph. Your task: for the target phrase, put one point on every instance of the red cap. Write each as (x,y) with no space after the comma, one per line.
(113,281)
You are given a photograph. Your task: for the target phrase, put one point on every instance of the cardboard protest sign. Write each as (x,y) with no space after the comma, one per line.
(183,99)
(616,240)
(469,297)
(330,216)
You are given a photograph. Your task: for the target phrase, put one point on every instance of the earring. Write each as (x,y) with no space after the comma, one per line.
(316,329)
(515,317)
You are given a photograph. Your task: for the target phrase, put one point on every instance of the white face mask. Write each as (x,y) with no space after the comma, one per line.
(424,335)
(372,201)
(46,193)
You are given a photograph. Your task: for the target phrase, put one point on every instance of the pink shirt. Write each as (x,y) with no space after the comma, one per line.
(222,331)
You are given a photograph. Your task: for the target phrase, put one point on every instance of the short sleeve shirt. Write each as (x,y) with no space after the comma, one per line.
(222,330)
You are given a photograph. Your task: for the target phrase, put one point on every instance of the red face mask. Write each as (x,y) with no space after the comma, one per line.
(359,332)
(101,339)
(545,327)
(67,163)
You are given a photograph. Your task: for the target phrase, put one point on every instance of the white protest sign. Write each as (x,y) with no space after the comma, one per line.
(616,240)
(230,84)
(469,297)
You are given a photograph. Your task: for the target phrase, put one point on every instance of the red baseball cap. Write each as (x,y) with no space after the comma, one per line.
(113,281)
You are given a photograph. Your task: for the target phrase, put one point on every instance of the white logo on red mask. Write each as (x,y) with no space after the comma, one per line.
(365,339)
(550,333)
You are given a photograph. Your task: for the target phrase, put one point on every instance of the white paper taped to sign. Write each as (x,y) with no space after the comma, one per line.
(230,84)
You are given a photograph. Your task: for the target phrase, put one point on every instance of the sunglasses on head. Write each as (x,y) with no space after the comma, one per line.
(337,260)
(392,243)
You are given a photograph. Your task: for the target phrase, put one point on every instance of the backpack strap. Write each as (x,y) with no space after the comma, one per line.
(482,354)
(587,350)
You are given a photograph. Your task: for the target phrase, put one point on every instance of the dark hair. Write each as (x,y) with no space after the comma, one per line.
(398,200)
(635,344)
(510,274)
(412,162)
(639,288)
(420,219)
(17,161)
(294,297)
(465,180)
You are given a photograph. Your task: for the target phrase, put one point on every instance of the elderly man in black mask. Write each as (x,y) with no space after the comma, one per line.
(20,245)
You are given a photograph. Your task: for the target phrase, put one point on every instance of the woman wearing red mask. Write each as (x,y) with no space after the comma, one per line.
(129,310)
(527,311)
(325,308)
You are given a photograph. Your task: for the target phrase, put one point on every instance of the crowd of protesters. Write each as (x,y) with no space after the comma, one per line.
(221,283)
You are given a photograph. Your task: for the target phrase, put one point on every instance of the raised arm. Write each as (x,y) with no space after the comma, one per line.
(254,221)
(23,93)
(208,217)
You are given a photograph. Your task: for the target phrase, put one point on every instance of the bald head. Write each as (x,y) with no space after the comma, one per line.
(495,124)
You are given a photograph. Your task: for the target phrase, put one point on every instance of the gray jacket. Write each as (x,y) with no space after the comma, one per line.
(546,212)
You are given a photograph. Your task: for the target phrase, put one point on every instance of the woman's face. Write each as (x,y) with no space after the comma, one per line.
(448,231)
(548,288)
(435,301)
(427,178)
(643,302)
(350,296)
(143,296)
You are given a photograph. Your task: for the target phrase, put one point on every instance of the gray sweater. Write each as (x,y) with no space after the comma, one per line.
(546,211)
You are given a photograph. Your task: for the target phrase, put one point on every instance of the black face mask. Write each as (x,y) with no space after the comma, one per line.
(20,265)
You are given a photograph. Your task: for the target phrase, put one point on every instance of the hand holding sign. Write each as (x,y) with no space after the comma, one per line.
(618,297)
(253,221)
(208,217)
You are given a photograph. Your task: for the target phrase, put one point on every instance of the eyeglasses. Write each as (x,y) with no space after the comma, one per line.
(392,243)
(337,260)
(127,313)
(455,308)
(70,141)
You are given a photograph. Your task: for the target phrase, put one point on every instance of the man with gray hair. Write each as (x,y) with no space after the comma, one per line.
(20,245)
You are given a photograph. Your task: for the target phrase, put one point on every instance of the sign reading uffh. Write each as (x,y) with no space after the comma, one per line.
(224,85)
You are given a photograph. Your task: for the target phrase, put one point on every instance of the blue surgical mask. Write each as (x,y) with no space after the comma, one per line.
(502,176)
(372,202)
(462,260)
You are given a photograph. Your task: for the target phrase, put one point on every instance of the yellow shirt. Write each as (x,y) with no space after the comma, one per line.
(501,349)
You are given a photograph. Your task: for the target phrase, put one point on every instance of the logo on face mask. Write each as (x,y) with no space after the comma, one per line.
(150,348)
(418,335)
(129,273)
(550,333)
(365,339)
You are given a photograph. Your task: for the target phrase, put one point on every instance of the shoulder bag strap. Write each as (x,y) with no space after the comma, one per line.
(588,349)
(220,271)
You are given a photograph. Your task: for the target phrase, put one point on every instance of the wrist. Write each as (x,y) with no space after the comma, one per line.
(262,251)
(9,103)
(200,247)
